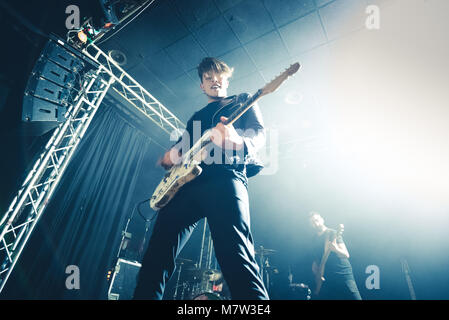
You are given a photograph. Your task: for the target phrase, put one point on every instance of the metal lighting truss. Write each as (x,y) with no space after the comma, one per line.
(30,202)
(134,93)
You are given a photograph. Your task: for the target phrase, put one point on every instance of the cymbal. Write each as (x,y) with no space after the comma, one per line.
(272,269)
(205,274)
(183,261)
(264,251)
(299,285)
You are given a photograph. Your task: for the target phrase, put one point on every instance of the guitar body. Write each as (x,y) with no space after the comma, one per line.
(174,180)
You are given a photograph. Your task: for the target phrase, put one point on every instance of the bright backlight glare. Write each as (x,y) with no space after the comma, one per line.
(389,87)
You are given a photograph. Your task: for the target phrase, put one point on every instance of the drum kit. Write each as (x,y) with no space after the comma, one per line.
(300,291)
(194,283)
(266,269)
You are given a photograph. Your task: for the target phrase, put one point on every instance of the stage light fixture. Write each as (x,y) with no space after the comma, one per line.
(82,36)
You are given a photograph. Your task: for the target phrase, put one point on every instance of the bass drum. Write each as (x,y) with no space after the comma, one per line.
(208,296)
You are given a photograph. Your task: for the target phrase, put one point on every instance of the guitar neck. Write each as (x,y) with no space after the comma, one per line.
(332,237)
(205,139)
(243,108)
(268,88)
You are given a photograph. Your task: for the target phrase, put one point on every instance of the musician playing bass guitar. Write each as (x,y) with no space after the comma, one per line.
(334,279)
(218,193)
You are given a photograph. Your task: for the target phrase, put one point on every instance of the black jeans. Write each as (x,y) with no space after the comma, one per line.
(340,287)
(224,201)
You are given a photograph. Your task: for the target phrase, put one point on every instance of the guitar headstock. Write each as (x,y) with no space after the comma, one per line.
(274,84)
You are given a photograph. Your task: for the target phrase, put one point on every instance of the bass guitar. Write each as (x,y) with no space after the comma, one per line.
(319,276)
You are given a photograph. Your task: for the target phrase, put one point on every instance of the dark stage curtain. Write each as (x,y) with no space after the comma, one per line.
(83,223)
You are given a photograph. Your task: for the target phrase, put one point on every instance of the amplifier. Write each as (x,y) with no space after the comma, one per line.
(123,280)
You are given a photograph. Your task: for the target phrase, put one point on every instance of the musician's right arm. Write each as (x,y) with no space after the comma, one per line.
(170,158)
(174,155)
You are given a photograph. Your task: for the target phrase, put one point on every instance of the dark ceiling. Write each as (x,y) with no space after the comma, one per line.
(259,38)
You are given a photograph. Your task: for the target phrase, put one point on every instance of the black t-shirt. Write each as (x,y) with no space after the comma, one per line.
(335,265)
(221,161)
